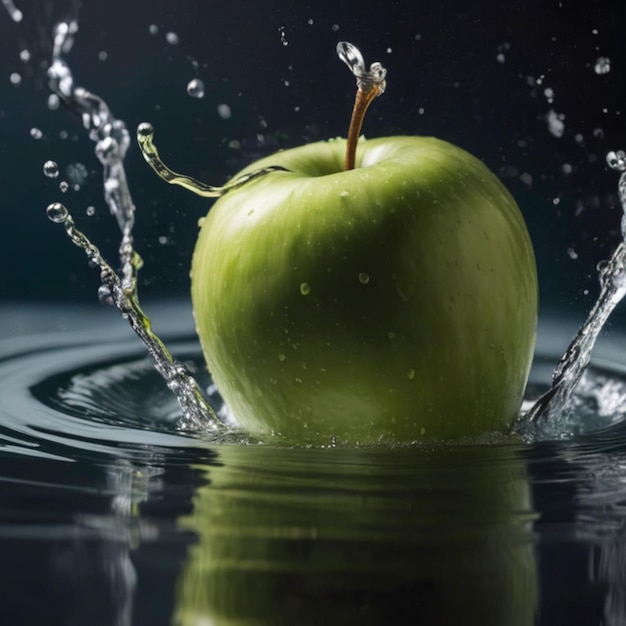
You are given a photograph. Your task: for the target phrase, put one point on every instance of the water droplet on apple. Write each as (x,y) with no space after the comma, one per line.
(305,289)
(410,374)
(364,278)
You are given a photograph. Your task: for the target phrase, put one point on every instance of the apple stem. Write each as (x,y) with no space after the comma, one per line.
(361,103)
(370,84)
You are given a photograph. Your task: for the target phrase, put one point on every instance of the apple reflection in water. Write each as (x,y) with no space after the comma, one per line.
(361,537)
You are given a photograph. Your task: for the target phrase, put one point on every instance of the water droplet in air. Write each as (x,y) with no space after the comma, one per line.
(172,38)
(105,296)
(103,55)
(223,110)
(617,160)
(15,78)
(63,186)
(25,55)
(555,123)
(35,133)
(90,211)
(57,212)
(305,289)
(153,29)
(51,169)
(53,102)
(283,37)
(16,15)
(410,374)
(282,357)
(145,129)
(335,28)
(195,88)
(364,278)
(602,65)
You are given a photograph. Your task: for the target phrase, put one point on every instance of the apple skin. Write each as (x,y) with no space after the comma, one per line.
(391,303)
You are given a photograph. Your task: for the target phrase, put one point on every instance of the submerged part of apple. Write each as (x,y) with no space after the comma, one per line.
(393,302)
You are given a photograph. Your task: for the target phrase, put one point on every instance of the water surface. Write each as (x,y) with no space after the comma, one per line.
(109,515)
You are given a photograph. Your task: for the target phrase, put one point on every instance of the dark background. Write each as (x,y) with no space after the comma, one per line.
(444,79)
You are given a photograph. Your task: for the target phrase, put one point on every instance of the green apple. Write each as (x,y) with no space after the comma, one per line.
(393,302)
(360,536)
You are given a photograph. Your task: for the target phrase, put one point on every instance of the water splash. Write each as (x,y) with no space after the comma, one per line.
(145,139)
(16,15)
(112,142)
(353,58)
(612,275)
